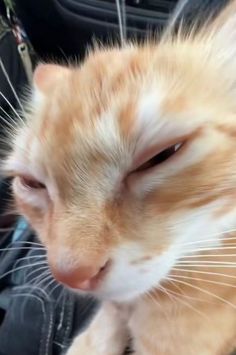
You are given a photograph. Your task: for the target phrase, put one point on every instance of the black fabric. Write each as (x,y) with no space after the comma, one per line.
(37,320)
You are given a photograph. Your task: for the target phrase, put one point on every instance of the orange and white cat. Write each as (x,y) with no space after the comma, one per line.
(126,168)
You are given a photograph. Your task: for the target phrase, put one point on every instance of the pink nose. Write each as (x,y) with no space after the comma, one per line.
(84,277)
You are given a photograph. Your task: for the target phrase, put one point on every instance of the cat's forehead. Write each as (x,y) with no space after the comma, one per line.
(126,91)
(122,84)
(118,81)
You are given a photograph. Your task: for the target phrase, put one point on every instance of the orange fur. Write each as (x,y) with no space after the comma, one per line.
(92,127)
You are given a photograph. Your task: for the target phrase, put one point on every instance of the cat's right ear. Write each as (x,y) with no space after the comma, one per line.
(46,76)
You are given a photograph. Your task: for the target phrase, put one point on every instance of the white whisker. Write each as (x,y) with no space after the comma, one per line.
(179,299)
(155,301)
(10,105)
(10,84)
(22,248)
(62,293)
(204,280)
(182,294)
(29,259)
(51,282)
(54,288)
(37,298)
(9,124)
(33,288)
(206,265)
(36,270)
(46,278)
(204,291)
(27,242)
(7,114)
(204,272)
(164,290)
(38,278)
(210,262)
(20,268)
(213,248)
(212,240)
(205,256)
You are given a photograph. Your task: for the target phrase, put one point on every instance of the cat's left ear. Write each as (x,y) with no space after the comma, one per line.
(48,75)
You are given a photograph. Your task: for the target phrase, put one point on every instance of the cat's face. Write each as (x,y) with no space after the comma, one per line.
(126,162)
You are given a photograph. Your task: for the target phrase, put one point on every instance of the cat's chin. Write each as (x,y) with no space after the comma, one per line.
(105,295)
(108,292)
(121,297)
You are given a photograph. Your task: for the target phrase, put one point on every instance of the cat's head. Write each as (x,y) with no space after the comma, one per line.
(127,162)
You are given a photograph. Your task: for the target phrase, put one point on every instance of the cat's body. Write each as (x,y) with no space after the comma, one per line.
(169,327)
(126,168)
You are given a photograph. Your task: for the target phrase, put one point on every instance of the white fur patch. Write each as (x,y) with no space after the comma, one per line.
(105,139)
(107,134)
(196,230)
(148,121)
(153,127)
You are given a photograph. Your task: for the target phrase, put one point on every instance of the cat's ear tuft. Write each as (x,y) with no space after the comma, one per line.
(47,75)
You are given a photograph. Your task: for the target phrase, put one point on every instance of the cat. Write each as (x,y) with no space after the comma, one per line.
(125,166)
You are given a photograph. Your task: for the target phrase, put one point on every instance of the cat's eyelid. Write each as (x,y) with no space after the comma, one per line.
(31,183)
(16,168)
(153,150)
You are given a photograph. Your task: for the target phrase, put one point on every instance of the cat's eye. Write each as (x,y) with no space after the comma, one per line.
(31,191)
(160,158)
(31,183)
